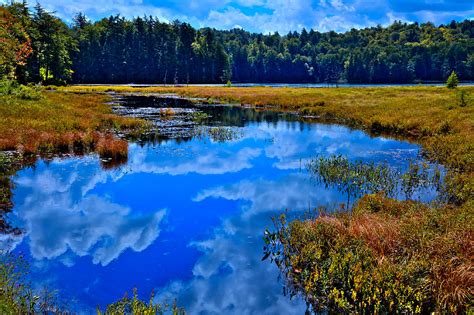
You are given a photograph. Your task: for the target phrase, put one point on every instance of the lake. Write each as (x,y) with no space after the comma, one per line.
(295,85)
(185,214)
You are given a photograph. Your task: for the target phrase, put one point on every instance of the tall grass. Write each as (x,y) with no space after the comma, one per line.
(387,256)
(62,122)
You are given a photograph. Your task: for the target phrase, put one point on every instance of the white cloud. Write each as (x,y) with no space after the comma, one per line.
(271,15)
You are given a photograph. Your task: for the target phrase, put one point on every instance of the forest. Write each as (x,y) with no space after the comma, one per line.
(39,47)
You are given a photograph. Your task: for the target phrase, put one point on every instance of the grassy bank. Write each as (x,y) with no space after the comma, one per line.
(384,255)
(40,123)
(60,122)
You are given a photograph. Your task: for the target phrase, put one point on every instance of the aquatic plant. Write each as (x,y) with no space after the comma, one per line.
(111,148)
(199,117)
(135,306)
(355,179)
(222,134)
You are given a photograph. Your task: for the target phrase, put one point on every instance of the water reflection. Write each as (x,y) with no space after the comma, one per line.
(183,218)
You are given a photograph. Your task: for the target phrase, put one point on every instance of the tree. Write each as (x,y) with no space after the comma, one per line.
(52,46)
(145,50)
(15,44)
(452,81)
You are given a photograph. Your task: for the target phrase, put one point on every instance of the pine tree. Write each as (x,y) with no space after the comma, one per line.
(452,81)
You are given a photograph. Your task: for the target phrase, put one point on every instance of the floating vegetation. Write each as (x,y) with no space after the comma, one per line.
(134,306)
(199,117)
(222,134)
(355,179)
(167,112)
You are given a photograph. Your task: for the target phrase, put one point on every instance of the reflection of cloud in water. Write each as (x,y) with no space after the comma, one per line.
(295,191)
(211,162)
(205,163)
(292,148)
(230,277)
(94,226)
(66,213)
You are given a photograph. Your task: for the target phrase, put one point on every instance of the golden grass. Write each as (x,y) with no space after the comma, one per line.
(62,122)
(420,255)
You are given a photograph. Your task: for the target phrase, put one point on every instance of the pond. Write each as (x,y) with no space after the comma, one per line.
(185,214)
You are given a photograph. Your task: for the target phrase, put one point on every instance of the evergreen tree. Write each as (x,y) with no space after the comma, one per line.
(452,81)
(146,50)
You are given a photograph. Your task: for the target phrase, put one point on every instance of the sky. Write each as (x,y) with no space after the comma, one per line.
(268,16)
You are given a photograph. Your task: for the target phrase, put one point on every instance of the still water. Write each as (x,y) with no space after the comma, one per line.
(185,215)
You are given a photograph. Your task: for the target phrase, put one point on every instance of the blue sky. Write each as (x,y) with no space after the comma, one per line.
(272,15)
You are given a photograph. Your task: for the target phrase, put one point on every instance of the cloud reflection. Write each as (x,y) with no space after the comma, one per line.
(94,226)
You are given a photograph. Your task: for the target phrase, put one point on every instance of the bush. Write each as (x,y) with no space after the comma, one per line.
(24,92)
(462,98)
(30,92)
(452,81)
(135,306)
(7,87)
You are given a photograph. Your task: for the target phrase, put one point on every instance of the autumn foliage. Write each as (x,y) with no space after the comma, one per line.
(15,44)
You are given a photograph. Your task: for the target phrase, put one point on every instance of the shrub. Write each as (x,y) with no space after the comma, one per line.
(32,92)
(24,92)
(462,98)
(452,81)
(135,306)
(7,87)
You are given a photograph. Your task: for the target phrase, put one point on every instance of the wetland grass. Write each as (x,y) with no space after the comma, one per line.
(62,123)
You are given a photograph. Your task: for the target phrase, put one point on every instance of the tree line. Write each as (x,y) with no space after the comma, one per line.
(37,46)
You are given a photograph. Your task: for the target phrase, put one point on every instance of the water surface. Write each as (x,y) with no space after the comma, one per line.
(185,215)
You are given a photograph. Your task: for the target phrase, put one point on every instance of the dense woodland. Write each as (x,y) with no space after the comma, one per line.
(36,46)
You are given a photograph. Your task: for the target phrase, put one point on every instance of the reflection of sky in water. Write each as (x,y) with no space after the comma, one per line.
(185,219)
